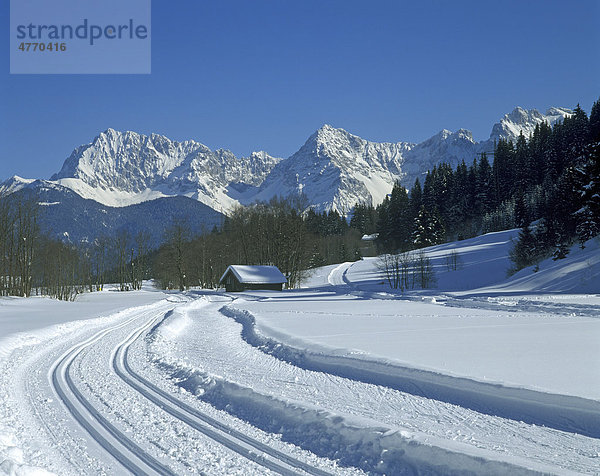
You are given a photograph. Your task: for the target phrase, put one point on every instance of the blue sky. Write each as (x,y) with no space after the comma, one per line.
(263,75)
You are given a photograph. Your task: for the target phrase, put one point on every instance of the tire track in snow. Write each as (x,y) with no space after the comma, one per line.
(242,444)
(117,444)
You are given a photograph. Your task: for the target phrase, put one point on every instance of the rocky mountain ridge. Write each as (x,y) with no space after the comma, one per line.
(334,169)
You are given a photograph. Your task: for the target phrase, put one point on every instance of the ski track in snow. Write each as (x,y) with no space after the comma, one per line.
(431,435)
(129,454)
(130,416)
(92,414)
(231,438)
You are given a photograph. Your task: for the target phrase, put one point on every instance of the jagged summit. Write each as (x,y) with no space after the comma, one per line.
(334,168)
(132,167)
(525,120)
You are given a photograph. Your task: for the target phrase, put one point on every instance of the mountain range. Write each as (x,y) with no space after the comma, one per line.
(334,169)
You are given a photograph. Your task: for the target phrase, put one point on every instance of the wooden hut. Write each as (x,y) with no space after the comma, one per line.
(238,278)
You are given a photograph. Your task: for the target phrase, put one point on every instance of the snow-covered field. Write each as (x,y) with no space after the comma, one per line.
(482,375)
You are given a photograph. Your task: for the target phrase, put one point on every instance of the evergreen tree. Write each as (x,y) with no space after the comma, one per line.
(415,199)
(539,151)
(576,134)
(364,219)
(461,199)
(503,171)
(594,123)
(521,213)
(428,229)
(522,165)
(399,218)
(588,216)
(523,253)
(483,186)
(384,226)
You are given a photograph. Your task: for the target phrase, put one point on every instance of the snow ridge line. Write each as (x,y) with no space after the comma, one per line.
(221,433)
(561,412)
(125,451)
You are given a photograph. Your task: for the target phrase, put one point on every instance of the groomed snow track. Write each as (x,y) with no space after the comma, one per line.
(240,443)
(125,451)
(120,446)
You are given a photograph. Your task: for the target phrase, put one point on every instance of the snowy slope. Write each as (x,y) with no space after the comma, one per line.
(483,265)
(521,347)
(546,316)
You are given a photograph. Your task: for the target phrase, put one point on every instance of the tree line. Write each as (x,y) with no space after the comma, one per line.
(33,263)
(281,232)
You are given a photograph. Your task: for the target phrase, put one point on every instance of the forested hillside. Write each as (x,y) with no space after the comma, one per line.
(551,179)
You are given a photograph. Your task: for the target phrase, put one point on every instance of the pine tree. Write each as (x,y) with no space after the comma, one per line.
(594,124)
(483,195)
(522,165)
(428,229)
(364,219)
(316,258)
(576,134)
(384,226)
(503,171)
(523,253)
(461,199)
(521,213)
(588,216)
(415,199)
(399,218)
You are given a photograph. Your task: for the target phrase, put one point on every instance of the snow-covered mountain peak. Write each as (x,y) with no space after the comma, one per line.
(558,113)
(125,161)
(446,135)
(465,134)
(334,168)
(327,135)
(522,116)
(131,167)
(525,120)
(14,184)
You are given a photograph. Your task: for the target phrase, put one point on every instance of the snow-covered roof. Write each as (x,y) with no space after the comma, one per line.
(256,274)
(372,237)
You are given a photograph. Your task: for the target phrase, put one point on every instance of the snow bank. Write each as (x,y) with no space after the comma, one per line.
(349,439)
(563,412)
(12,462)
